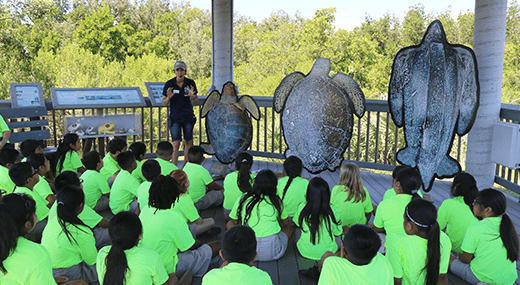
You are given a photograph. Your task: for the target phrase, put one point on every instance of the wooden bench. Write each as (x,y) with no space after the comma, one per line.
(27,123)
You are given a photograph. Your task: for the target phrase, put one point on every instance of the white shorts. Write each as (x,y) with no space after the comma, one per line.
(271,247)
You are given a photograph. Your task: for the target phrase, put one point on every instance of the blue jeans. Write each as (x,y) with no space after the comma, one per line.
(187,129)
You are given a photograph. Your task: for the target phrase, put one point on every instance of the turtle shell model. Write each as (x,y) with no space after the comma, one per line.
(433,94)
(317,115)
(228,125)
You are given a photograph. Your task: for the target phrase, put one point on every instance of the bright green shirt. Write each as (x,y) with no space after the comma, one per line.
(199,177)
(145,267)
(138,172)
(87,216)
(71,162)
(391,193)
(43,188)
(231,190)
(41,205)
(350,213)
(295,194)
(29,263)
(124,192)
(390,215)
(143,194)
(166,166)
(94,186)
(186,208)
(165,232)
(110,166)
(5,180)
(3,126)
(263,220)
(408,257)
(490,264)
(65,253)
(338,270)
(237,274)
(456,217)
(323,241)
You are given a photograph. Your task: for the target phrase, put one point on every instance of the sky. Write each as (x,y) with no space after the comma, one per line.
(349,14)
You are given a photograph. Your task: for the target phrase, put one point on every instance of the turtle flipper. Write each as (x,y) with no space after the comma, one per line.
(353,90)
(247,102)
(283,90)
(210,102)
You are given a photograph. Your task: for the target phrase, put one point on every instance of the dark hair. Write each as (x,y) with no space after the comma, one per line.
(66,178)
(239,244)
(164,191)
(243,164)
(125,160)
(361,244)
(424,215)
(124,230)
(69,198)
(115,145)
(196,154)
(410,180)
(293,167)
(317,211)
(15,210)
(138,148)
(63,149)
(465,185)
(498,203)
(36,160)
(151,169)
(91,159)
(29,146)
(164,149)
(264,189)
(8,156)
(20,172)
(396,170)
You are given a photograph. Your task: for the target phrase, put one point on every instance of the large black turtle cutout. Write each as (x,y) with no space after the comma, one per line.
(228,125)
(434,94)
(317,115)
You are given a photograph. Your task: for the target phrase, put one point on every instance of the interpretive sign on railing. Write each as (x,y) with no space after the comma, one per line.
(75,98)
(155,90)
(26,95)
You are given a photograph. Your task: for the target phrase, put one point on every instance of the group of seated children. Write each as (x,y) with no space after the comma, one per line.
(151,239)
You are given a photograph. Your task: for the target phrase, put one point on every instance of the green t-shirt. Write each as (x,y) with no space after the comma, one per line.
(237,273)
(94,186)
(490,264)
(408,257)
(165,232)
(390,215)
(324,242)
(64,253)
(3,126)
(145,266)
(29,263)
(124,192)
(186,208)
(41,205)
(166,166)
(338,270)
(5,180)
(71,162)
(295,194)
(391,193)
(350,213)
(456,217)
(143,194)
(43,188)
(87,216)
(231,190)
(110,166)
(138,172)
(264,217)
(199,177)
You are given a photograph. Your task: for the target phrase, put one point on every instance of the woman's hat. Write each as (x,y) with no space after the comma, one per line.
(179,64)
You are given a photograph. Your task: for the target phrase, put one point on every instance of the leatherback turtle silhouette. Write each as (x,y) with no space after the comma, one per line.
(317,115)
(434,94)
(228,125)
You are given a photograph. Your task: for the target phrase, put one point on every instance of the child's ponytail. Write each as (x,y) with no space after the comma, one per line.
(69,199)
(63,148)
(243,164)
(293,168)
(465,185)
(410,180)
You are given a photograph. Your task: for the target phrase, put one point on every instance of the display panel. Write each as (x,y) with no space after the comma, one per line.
(70,98)
(155,90)
(26,95)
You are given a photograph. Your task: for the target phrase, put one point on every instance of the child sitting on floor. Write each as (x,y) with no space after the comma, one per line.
(199,178)
(8,157)
(123,195)
(67,157)
(30,146)
(238,182)
(139,151)
(164,155)
(39,162)
(95,185)
(151,170)
(238,252)
(292,188)
(110,167)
